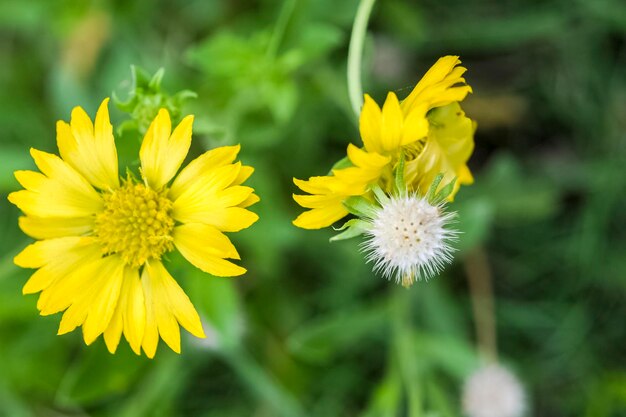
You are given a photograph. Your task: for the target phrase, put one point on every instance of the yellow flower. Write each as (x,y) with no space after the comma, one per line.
(101,239)
(428,129)
(329,192)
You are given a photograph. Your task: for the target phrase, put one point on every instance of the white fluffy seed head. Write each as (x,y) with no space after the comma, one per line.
(493,391)
(409,239)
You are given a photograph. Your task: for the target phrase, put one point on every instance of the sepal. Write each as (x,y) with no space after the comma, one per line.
(351,228)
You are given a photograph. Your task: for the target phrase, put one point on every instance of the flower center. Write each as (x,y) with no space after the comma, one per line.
(135,224)
(409,239)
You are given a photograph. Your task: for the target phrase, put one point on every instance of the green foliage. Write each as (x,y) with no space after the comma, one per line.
(310,330)
(146,98)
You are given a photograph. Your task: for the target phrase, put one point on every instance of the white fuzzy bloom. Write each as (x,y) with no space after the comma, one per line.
(493,391)
(409,239)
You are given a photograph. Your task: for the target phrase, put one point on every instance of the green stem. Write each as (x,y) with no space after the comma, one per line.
(262,384)
(355,54)
(281,26)
(403,339)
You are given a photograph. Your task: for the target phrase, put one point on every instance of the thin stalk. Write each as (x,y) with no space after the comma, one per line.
(406,360)
(355,54)
(481,292)
(281,26)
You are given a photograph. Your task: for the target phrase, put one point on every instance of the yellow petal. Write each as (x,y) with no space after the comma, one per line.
(31,180)
(179,303)
(150,339)
(161,154)
(229,219)
(391,123)
(113,332)
(204,246)
(209,160)
(40,253)
(206,196)
(252,199)
(314,185)
(321,217)
(171,306)
(244,174)
(364,159)
(440,86)
(64,193)
(370,122)
(47,228)
(212,180)
(317,201)
(464,175)
(61,262)
(95,305)
(415,127)
(449,145)
(134,310)
(202,189)
(130,314)
(67,289)
(90,151)
(197,240)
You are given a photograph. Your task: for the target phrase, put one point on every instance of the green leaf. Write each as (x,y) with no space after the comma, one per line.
(381,196)
(401,187)
(352,228)
(360,206)
(341,164)
(432,191)
(445,192)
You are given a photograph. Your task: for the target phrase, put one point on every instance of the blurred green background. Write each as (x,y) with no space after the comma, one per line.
(310,330)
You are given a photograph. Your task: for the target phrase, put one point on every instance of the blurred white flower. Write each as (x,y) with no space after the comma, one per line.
(493,391)
(409,239)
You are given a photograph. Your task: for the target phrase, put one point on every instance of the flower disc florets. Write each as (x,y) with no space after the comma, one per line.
(408,239)
(135,223)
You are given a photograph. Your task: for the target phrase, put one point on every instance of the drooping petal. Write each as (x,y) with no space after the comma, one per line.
(88,149)
(161,154)
(450,144)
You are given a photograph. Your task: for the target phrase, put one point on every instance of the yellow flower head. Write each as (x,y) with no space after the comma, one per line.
(101,239)
(428,129)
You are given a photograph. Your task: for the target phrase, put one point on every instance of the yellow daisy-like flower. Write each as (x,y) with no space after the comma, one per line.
(428,128)
(101,239)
